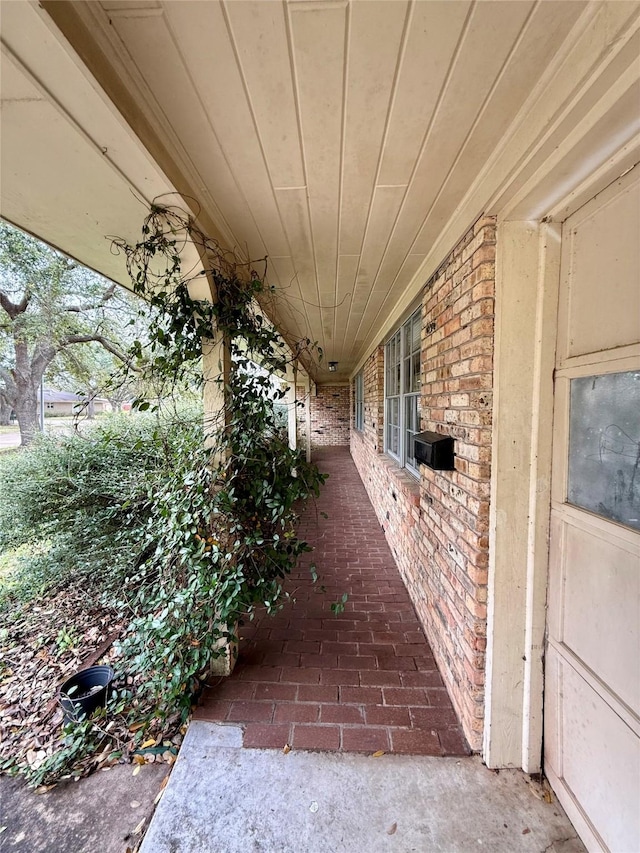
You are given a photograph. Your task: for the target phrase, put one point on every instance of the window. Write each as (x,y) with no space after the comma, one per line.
(359,402)
(402,392)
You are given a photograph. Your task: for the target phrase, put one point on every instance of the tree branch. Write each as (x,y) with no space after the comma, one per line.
(92,306)
(10,390)
(13,309)
(100,339)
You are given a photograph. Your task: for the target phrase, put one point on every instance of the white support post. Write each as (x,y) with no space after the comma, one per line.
(216,365)
(526,305)
(308,389)
(290,400)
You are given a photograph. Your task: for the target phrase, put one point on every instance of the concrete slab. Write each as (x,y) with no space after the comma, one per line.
(224,798)
(94,815)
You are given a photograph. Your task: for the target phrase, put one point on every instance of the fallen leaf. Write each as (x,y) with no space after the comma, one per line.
(286,749)
(139,827)
(526,831)
(134,804)
(136,769)
(378,753)
(392,829)
(147,743)
(136,726)
(138,759)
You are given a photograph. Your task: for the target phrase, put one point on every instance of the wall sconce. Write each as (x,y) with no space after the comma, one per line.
(333,366)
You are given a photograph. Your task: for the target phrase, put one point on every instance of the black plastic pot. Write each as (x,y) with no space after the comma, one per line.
(85,691)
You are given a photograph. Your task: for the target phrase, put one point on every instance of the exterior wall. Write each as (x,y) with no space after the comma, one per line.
(66,408)
(330,415)
(438,527)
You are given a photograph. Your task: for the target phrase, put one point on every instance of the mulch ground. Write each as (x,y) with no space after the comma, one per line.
(41,645)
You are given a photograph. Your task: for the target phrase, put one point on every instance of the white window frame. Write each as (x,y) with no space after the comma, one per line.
(358,420)
(402,390)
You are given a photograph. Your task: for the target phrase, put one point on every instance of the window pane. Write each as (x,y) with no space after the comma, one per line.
(416,332)
(407,338)
(604,446)
(394,443)
(395,411)
(406,388)
(402,387)
(415,371)
(411,426)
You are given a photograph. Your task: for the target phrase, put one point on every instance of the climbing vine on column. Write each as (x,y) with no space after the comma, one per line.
(221,533)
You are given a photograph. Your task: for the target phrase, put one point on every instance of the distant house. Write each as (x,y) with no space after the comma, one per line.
(65,403)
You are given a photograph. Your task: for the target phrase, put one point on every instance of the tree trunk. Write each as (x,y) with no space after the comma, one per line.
(5,411)
(27,414)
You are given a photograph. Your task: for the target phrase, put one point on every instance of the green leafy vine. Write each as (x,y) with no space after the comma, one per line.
(222,535)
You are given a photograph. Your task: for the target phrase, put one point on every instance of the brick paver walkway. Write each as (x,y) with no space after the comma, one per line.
(360,681)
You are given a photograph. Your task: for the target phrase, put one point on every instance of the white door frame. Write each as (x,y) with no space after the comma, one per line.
(527,277)
(526,325)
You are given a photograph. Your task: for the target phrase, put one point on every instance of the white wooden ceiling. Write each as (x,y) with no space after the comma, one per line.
(338,137)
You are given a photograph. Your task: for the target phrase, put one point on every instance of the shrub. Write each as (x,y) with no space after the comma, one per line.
(81,502)
(193,535)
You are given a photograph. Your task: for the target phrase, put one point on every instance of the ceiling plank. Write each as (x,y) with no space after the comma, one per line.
(259,33)
(544,32)
(375,40)
(207,54)
(434,31)
(347,271)
(318,38)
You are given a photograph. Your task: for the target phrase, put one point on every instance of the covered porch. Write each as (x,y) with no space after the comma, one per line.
(361,680)
(448,196)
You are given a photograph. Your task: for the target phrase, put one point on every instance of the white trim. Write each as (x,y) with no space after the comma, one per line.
(527,285)
(539,496)
(527,276)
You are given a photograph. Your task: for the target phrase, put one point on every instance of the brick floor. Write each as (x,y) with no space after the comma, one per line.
(358,681)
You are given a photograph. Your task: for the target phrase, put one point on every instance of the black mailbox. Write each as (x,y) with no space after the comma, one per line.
(434,450)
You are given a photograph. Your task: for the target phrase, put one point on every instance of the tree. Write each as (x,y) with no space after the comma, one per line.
(48,305)
(5,410)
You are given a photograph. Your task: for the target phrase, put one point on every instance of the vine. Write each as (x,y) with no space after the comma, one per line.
(222,531)
(184,525)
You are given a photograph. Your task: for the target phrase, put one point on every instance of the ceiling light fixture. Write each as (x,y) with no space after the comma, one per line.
(333,366)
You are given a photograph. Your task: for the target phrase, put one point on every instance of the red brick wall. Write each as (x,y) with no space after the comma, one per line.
(373,376)
(438,527)
(330,415)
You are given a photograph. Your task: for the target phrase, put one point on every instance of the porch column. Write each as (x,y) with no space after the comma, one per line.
(310,391)
(216,365)
(527,272)
(290,400)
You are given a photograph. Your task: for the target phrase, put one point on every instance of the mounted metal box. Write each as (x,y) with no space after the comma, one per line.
(434,450)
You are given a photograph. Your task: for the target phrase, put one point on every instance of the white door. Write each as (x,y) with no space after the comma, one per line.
(592,665)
